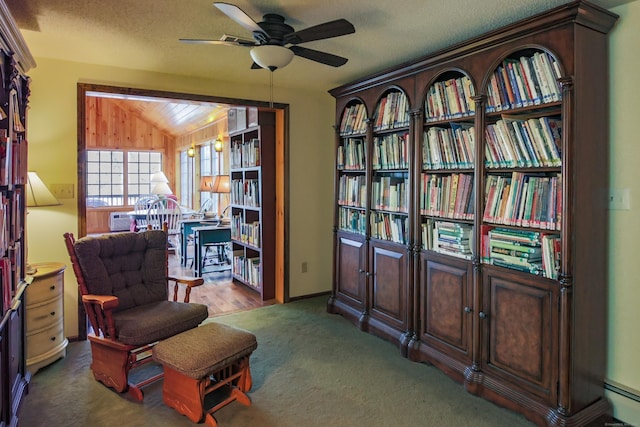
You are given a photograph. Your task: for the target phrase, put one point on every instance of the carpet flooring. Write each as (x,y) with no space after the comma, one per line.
(311,369)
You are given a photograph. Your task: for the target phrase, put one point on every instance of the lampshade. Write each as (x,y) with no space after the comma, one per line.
(161,188)
(221,184)
(271,56)
(159,177)
(206,183)
(37,192)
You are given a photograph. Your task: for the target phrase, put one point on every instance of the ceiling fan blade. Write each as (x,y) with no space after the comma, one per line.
(339,27)
(255,66)
(238,15)
(321,57)
(222,42)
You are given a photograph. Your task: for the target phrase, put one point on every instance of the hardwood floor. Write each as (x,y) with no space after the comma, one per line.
(219,292)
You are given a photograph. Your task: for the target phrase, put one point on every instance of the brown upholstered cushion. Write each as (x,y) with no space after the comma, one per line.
(131,266)
(205,350)
(156,321)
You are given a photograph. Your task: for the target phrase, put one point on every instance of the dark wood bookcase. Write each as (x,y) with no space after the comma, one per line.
(253,210)
(488,256)
(14,377)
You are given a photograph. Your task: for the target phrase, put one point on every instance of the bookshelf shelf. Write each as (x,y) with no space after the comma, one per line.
(253,205)
(481,269)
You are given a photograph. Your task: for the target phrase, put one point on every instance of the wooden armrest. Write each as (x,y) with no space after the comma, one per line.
(191,282)
(99,308)
(106,302)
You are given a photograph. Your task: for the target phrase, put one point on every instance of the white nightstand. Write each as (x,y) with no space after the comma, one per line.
(46,342)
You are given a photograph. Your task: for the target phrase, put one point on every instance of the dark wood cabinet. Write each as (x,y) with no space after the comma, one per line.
(463,176)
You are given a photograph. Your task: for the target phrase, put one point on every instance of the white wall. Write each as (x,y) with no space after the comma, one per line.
(624,284)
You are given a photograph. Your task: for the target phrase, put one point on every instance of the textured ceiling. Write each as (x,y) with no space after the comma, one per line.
(143,34)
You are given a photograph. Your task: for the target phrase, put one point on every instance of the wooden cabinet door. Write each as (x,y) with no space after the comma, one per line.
(520,323)
(351,271)
(446,300)
(389,303)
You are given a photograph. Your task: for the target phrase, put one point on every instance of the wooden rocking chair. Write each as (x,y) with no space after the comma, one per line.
(123,282)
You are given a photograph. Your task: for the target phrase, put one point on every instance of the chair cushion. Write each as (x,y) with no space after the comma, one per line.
(131,266)
(205,350)
(156,321)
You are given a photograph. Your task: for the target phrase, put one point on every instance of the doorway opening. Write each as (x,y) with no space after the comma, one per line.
(175,125)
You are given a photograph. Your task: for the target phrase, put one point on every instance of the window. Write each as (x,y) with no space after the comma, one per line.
(186,179)
(112,181)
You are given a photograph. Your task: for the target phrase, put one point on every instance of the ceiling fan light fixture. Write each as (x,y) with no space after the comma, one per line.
(271,57)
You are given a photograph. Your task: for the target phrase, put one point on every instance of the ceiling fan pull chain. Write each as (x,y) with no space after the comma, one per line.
(271,89)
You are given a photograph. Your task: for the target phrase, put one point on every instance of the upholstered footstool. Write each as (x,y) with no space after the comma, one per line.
(203,360)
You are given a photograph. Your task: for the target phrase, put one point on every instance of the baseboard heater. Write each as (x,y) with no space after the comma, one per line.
(622,390)
(119,221)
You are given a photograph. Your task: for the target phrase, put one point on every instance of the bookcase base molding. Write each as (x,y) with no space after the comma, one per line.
(461,234)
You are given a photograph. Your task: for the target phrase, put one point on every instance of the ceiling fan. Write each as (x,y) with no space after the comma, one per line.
(275,43)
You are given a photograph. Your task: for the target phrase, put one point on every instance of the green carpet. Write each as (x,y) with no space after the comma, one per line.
(311,368)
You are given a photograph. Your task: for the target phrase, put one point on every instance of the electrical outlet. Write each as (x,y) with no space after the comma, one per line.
(62,191)
(304,267)
(620,199)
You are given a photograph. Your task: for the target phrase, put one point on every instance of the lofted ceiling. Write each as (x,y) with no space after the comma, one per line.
(143,34)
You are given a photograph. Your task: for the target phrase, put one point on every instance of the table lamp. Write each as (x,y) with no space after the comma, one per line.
(38,195)
(221,185)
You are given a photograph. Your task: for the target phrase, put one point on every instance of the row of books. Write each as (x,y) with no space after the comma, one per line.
(390,193)
(448,196)
(448,238)
(392,112)
(352,154)
(450,99)
(247,268)
(245,232)
(352,220)
(245,154)
(245,192)
(532,252)
(534,142)
(391,151)
(449,148)
(352,190)
(523,199)
(529,80)
(391,227)
(354,120)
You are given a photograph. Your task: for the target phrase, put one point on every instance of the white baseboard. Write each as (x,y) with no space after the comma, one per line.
(625,401)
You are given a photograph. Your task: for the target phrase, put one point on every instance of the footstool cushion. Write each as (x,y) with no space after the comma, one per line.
(204,350)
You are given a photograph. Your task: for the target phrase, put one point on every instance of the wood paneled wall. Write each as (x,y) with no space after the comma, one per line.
(109,126)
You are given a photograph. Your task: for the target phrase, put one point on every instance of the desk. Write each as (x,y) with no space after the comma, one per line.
(186,229)
(186,213)
(141,215)
(207,234)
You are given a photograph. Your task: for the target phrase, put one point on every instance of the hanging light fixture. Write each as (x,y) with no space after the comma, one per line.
(218,145)
(191,151)
(271,57)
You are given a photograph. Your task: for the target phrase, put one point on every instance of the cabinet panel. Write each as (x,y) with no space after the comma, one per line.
(389,285)
(520,324)
(350,265)
(445,301)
